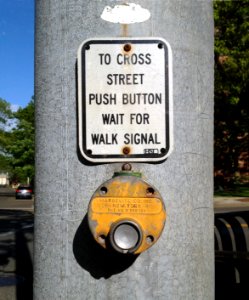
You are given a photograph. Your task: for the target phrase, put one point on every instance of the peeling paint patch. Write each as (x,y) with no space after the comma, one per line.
(128,13)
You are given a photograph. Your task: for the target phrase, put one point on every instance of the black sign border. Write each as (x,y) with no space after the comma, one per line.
(121,157)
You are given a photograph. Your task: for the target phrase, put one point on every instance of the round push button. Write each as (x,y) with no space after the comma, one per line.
(125,236)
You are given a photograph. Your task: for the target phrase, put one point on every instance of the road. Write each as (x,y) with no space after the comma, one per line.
(16,247)
(7,202)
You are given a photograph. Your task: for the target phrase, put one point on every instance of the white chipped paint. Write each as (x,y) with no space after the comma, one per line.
(128,13)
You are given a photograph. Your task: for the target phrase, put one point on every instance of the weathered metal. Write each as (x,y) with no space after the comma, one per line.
(127,198)
(68,263)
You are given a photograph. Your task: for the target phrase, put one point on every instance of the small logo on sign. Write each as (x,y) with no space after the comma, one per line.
(151,151)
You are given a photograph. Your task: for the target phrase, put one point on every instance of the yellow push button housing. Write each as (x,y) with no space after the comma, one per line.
(126,214)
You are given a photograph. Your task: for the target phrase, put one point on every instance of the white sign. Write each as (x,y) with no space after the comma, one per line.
(125,99)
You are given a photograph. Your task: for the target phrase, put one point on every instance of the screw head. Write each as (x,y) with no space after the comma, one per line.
(126,167)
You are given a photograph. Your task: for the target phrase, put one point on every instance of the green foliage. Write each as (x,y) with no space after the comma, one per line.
(5,113)
(4,164)
(235,191)
(231,88)
(5,117)
(17,143)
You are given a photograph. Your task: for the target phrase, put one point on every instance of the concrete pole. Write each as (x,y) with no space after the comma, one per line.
(68,264)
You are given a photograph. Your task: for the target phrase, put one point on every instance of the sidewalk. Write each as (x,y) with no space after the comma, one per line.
(221,201)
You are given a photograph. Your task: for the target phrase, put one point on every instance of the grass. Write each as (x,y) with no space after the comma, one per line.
(234,191)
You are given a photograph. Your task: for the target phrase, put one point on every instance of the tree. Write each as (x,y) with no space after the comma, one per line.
(17,142)
(231,88)
(5,113)
(5,117)
(22,146)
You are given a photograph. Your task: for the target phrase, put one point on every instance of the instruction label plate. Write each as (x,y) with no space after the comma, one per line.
(125,100)
(126,205)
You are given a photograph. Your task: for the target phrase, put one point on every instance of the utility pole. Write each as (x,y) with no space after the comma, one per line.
(68,263)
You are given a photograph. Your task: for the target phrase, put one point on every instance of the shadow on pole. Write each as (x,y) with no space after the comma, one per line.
(98,261)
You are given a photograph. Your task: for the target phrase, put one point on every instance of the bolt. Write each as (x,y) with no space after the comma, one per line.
(126,150)
(101,238)
(150,191)
(126,167)
(149,239)
(127,47)
(103,190)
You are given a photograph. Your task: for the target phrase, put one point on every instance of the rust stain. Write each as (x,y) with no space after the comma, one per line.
(124,28)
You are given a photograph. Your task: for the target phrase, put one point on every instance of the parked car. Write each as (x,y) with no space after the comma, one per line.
(24,192)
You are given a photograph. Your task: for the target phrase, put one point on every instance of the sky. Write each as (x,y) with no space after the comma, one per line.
(17,51)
